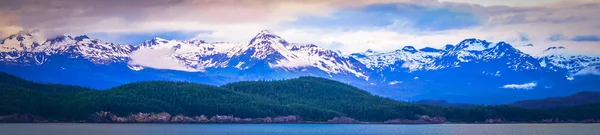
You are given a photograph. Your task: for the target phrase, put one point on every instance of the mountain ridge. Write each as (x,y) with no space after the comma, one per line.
(408,73)
(580,98)
(308,98)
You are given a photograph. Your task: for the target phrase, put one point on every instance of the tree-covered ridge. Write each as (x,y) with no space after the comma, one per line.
(314,99)
(154,96)
(14,81)
(580,98)
(335,96)
(184,98)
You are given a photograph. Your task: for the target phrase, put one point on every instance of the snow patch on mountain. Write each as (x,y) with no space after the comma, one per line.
(135,67)
(323,59)
(265,44)
(158,58)
(190,55)
(410,58)
(468,50)
(588,71)
(197,55)
(473,45)
(22,46)
(474,51)
(94,50)
(18,42)
(558,58)
(266,48)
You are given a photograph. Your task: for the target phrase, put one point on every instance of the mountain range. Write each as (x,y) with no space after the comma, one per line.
(472,71)
(580,98)
(294,100)
(585,97)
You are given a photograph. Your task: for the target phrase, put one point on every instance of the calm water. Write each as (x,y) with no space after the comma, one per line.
(297,129)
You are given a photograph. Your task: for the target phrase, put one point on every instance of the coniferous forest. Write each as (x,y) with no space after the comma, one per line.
(312,98)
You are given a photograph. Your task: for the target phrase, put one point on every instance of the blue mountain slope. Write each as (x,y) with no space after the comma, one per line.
(472,71)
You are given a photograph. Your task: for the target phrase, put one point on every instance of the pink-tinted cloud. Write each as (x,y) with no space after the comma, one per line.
(239,20)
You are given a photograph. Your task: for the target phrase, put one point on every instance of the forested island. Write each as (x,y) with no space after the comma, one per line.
(299,100)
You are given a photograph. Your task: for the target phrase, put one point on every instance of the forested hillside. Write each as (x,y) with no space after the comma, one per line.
(334,96)
(312,98)
(581,98)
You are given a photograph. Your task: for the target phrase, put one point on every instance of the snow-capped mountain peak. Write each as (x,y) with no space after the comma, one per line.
(554,50)
(267,36)
(410,49)
(74,47)
(21,41)
(265,45)
(153,42)
(473,44)
(268,51)
(196,41)
(408,57)
(470,63)
(448,47)
(81,38)
(475,51)
(430,49)
(558,57)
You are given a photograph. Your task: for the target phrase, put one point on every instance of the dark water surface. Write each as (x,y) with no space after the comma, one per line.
(297,129)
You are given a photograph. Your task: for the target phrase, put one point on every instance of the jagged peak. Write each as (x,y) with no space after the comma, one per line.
(410,49)
(159,39)
(60,38)
(265,31)
(505,46)
(20,41)
(65,37)
(300,46)
(555,48)
(154,41)
(195,41)
(473,41)
(267,36)
(19,36)
(264,44)
(473,44)
(81,37)
(370,51)
(430,49)
(310,45)
(448,47)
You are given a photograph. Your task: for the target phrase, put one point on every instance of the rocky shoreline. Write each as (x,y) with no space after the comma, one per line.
(108,117)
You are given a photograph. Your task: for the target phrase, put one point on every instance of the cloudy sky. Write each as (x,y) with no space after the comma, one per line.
(345,25)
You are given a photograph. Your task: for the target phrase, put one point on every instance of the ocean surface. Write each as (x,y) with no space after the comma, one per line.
(297,129)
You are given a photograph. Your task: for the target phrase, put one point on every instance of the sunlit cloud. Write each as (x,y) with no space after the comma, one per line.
(345,25)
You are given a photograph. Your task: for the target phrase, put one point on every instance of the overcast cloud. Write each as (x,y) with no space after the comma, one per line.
(345,25)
